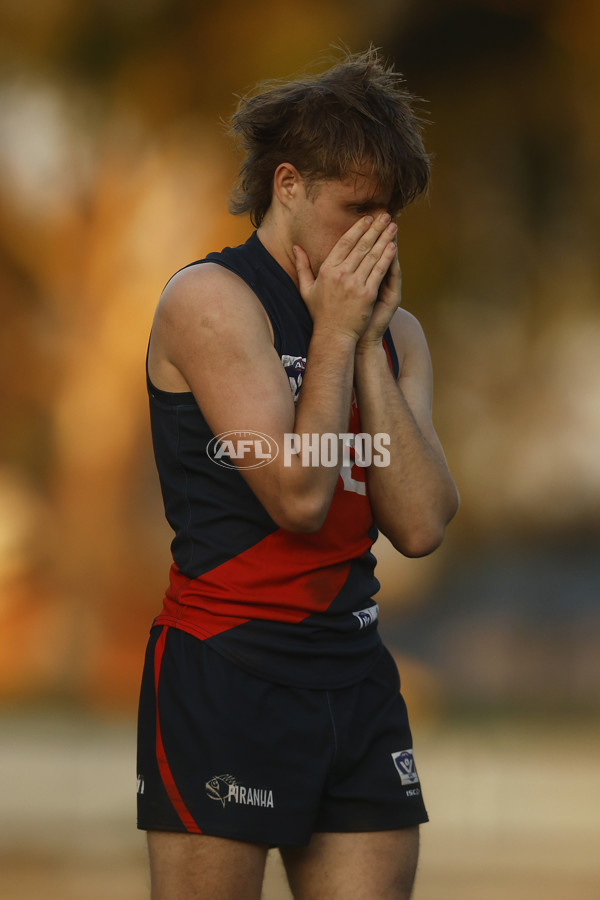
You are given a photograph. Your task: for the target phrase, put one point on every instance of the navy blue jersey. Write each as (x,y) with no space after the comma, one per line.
(294,608)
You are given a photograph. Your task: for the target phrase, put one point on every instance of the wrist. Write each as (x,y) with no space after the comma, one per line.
(333,335)
(369,359)
(369,348)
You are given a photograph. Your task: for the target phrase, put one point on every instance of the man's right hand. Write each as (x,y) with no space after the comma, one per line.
(342,296)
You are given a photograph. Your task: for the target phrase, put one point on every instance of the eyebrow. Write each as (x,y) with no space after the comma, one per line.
(371,202)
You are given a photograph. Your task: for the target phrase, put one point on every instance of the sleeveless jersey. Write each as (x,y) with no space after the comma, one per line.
(296,609)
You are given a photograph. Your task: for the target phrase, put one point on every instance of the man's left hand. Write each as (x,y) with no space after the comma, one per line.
(388,300)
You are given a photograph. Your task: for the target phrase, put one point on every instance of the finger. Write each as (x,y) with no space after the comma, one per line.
(306,278)
(381,267)
(374,254)
(349,240)
(394,278)
(371,244)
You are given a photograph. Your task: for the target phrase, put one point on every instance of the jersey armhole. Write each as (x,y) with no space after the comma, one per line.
(390,352)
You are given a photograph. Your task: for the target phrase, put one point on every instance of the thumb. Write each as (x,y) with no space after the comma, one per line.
(306,279)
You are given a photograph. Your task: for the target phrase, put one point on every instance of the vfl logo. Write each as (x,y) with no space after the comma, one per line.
(367,616)
(405,766)
(218,787)
(294,367)
(242,449)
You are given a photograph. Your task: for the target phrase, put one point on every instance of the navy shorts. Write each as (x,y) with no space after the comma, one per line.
(225,753)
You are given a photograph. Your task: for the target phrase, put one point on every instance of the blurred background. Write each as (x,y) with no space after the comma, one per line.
(115,170)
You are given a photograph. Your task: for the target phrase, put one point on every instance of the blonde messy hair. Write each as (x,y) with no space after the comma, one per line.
(356,117)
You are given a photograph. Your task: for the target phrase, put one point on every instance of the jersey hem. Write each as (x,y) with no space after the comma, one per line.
(372,658)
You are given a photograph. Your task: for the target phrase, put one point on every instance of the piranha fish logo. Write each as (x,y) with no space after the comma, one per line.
(218,787)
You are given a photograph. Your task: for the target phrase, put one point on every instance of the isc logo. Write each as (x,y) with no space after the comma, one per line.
(242,449)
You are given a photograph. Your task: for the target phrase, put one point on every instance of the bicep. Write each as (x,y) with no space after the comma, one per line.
(217,335)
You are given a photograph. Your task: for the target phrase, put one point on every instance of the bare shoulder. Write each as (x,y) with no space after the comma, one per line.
(208,296)
(410,341)
(204,313)
(406,329)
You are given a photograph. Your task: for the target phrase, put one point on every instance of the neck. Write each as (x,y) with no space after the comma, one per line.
(274,238)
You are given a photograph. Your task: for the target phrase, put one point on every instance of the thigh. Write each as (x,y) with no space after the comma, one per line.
(377,865)
(202,867)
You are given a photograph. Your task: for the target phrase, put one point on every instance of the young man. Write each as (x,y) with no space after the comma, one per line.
(291,418)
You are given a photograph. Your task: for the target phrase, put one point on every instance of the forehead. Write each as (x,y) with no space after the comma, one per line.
(358,189)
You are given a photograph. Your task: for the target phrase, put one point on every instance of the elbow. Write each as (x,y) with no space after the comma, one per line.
(295,505)
(427,535)
(305,516)
(418,528)
(300,524)
(419,543)
(421,538)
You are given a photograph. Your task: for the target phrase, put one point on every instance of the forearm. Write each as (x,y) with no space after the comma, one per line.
(413,498)
(323,408)
(340,300)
